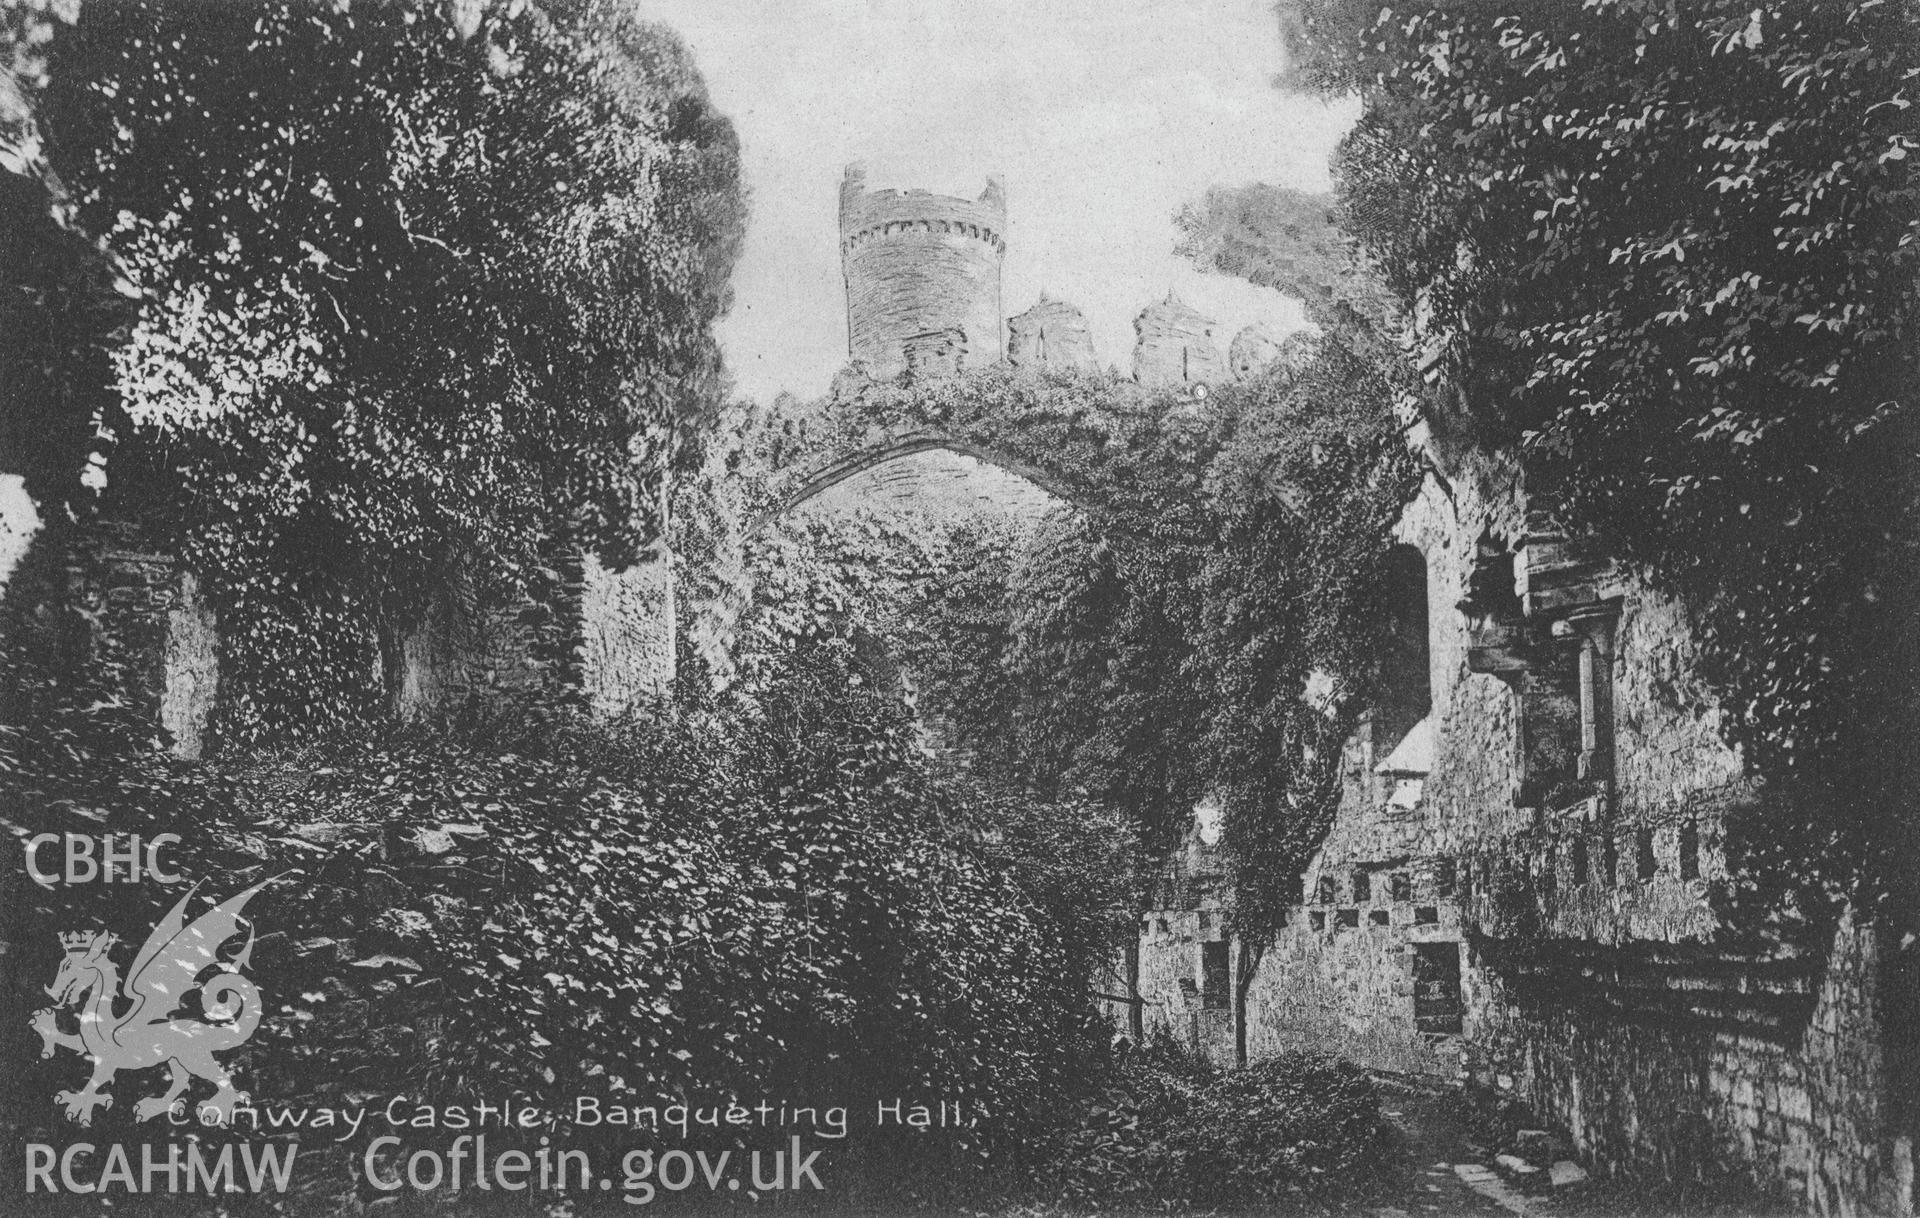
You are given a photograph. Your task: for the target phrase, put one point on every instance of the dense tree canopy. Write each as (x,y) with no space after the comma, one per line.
(416,288)
(1665,251)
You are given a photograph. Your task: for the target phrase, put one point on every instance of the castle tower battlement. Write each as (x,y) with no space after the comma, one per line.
(920,264)
(1174,347)
(1051,335)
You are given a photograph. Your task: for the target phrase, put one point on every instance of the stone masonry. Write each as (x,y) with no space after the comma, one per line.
(104,606)
(1174,346)
(923,276)
(1183,967)
(1253,350)
(1514,892)
(1051,336)
(111,609)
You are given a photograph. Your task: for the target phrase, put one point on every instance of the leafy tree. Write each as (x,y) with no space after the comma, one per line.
(423,289)
(1293,241)
(1666,252)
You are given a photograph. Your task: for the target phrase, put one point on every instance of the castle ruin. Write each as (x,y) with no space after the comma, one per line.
(1051,336)
(1516,890)
(923,277)
(1174,346)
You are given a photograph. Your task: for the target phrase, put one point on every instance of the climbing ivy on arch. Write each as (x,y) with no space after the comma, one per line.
(1154,645)
(1075,435)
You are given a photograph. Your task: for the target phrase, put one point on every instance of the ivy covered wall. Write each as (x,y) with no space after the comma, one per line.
(1606,976)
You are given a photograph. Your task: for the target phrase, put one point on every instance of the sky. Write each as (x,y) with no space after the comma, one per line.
(1102,116)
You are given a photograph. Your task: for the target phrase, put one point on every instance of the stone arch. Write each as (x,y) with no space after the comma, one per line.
(807,482)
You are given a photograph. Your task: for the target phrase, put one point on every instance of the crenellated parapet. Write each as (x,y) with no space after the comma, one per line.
(919,264)
(1052,335)
(1174,347)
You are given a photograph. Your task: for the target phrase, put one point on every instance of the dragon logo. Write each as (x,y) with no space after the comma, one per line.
(152,1031)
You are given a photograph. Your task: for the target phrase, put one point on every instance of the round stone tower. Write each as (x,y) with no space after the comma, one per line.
(923,277)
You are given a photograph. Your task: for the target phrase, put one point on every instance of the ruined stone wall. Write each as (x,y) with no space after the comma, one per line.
(608,637)
(104,607)
(1174,346)
(1171,981)
(1680,1080)
(1341,975)
(1591,983)
(627,639)
(463,649)
(919,264)
(98,603)
(1187,910)
(1051,336)
(1330,986)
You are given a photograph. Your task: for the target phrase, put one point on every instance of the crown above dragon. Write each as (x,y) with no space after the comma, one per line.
(77,940)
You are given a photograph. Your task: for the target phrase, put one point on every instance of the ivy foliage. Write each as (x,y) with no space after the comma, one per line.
(421,290)
(1151,643)
(1665,251)
(761,898)
(1170,1132)
(1080,435)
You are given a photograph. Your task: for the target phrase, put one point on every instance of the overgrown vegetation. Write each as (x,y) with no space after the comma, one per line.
(1170,1131)
(1666,253)
(763,896)
(1154,646)
(779,900)
(380,300)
